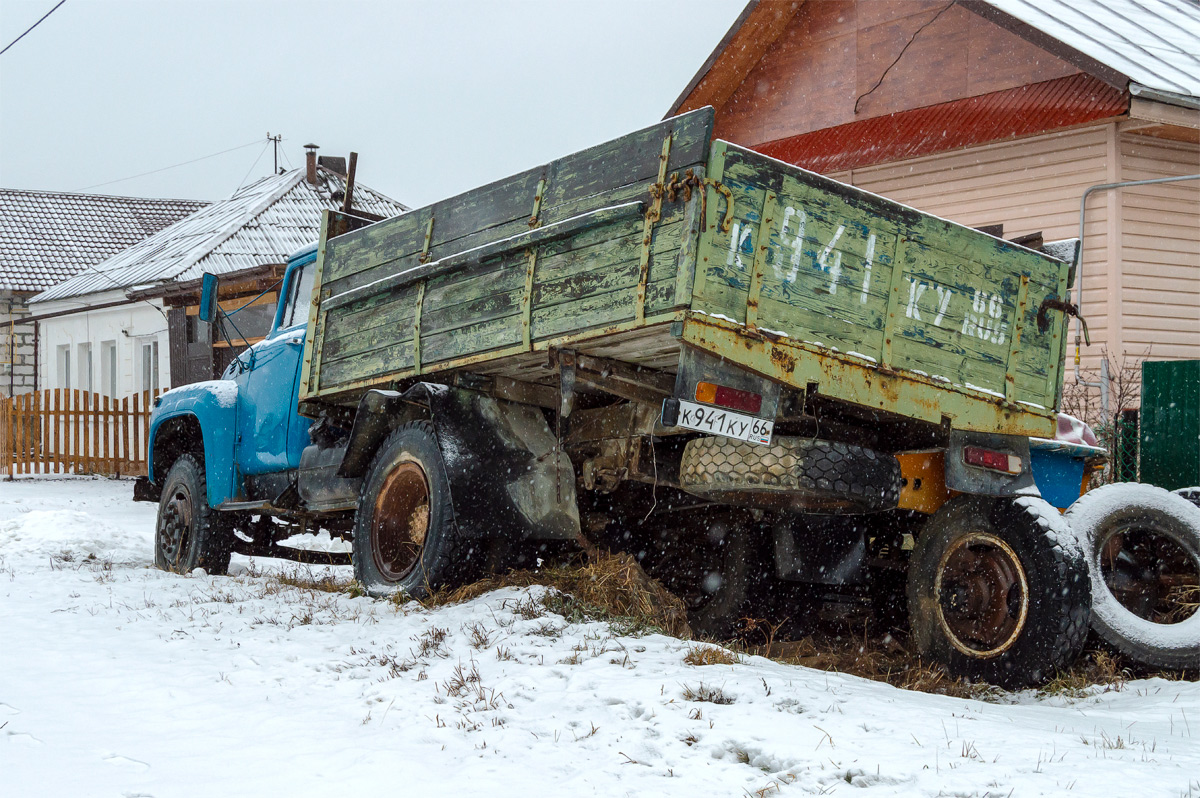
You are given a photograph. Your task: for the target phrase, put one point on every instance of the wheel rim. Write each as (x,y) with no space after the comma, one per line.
(400,521)
(982,595)
(174,532)
(1150,575)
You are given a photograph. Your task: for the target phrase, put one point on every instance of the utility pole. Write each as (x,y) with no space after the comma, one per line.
(275,140)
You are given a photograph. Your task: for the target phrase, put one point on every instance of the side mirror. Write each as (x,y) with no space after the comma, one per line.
(208,298)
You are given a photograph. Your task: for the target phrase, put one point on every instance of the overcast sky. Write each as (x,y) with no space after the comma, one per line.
(435,96)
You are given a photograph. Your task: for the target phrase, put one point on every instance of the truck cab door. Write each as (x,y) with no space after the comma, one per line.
(271,434)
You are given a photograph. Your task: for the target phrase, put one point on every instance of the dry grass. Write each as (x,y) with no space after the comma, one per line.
(881,659)
(604,586)
(710,655)
(707,693)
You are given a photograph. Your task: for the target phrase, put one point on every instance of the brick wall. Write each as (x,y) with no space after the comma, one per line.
(16,365)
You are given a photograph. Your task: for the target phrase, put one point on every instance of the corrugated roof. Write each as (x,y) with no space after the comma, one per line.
(48,236)
(260,224)
(1155,43)
(1000,115)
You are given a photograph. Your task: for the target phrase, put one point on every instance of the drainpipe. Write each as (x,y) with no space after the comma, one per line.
(1104,375)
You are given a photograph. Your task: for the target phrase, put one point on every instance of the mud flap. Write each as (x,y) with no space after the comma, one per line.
(508,477)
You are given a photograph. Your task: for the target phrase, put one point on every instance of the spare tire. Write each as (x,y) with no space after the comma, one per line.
(1143,550)
(797,474)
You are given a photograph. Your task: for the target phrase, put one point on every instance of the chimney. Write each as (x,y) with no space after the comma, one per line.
(310,160)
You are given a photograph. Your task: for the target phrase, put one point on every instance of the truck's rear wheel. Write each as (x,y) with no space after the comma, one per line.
(1143,548)
(189,534)
(797,474)
(710,560)
(405,539)
(998,590)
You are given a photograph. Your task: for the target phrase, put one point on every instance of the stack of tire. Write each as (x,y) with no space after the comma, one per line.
(1142,545)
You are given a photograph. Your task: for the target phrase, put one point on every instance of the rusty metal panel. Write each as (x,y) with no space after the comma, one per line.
(1009,114)
(859,382)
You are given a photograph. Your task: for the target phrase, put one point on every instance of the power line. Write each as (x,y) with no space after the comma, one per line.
(173,166)
(31,27)
(251,169)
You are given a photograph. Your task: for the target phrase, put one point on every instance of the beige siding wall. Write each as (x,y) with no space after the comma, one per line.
(1160,250)
(1029,185)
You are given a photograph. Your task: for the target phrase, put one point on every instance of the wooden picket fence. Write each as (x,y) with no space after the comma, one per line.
(59,431)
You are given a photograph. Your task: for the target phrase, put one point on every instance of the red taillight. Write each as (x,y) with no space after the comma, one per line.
(730,398)
(995,461)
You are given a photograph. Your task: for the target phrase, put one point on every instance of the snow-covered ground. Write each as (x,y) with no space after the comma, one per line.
(119,680)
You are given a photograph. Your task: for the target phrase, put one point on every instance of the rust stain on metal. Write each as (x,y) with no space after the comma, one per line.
(782,360)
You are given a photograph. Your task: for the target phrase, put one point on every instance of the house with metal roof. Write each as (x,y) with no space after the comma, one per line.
(114,328)
(1003,115)
(49,236)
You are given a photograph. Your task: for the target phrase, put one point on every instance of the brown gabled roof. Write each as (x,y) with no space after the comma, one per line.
(49,236)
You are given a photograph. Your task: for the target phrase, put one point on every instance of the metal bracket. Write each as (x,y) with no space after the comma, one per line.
(417,327)
(1014,347)
(653,214)
(527,299)
(537,203)
(762,243)
(424,258)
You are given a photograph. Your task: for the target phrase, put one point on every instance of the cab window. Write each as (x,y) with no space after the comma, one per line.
(299,297)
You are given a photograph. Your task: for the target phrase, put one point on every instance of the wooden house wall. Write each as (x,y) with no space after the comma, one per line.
(833,52)
(1141,259)
(1159,285)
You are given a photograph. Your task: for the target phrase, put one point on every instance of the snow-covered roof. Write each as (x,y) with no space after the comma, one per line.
(262,223)
(48,236)
(1154,43)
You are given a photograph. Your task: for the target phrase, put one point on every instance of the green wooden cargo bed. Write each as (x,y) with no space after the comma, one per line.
(664,237)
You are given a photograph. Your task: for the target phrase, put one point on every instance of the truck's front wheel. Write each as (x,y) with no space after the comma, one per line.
(189,534)
(405,539)
(998,590)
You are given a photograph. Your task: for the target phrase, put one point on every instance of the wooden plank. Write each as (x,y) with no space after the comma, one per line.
(107,424)
(570,274)
(136,458)
(85,418)
(124,454)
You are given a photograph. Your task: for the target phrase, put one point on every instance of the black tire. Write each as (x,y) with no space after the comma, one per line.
(405,539)
(797,474)
(710,561)
(1141,541)
(188,533)
(1191,494)
(998,591)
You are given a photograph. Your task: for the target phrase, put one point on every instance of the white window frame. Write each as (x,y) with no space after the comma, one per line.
(148,359)
(83,354)
(108,368)
(64,366)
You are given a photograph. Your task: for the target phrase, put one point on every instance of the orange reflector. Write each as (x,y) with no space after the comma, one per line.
(730,398)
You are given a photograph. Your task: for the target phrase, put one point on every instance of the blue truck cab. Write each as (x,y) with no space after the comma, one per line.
(244,428)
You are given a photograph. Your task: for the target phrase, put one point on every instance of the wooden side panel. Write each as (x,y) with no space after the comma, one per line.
(881,282)
(1029,186)
(514,297)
